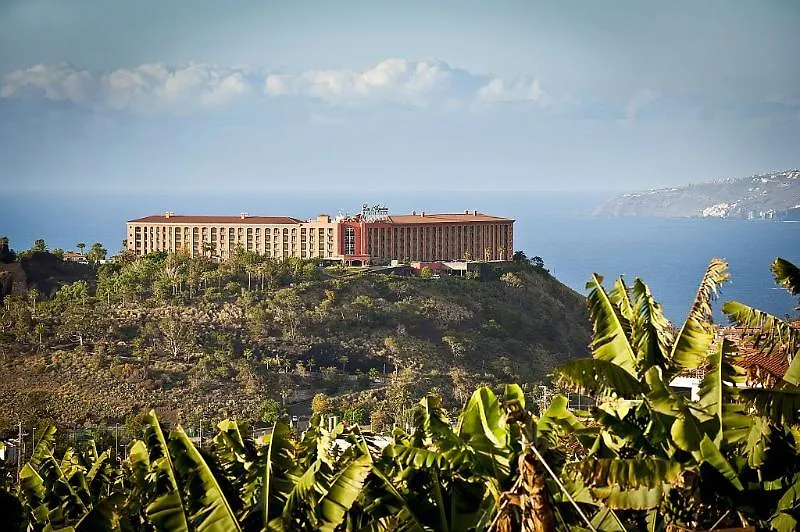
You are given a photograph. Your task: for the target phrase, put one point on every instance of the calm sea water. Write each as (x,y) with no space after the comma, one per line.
(670,255)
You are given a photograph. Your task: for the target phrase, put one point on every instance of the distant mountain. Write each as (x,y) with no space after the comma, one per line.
(773,196)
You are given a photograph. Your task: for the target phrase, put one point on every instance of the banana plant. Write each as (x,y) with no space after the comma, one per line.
(452,476)
(663,454)
(646,438)
(73,493)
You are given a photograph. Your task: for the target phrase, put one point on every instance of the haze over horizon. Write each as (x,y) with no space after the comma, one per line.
(247,95)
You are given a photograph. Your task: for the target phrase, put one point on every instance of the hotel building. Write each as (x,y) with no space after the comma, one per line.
(371,237)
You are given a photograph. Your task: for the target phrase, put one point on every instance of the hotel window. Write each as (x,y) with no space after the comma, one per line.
(349,241)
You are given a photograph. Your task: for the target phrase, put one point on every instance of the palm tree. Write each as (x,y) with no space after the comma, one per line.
(207,248)
(81,246)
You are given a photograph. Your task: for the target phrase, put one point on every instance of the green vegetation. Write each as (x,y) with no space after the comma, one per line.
(7,255)
(244,338)
(206,340)
(643,458)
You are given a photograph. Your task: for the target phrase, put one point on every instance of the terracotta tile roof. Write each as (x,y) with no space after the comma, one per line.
(776,364)
(229,220)
(445,218)
(754,359)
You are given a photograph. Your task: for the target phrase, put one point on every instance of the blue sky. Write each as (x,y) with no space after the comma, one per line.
(412,95)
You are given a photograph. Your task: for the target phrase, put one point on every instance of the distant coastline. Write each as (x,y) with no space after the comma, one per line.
(771,197)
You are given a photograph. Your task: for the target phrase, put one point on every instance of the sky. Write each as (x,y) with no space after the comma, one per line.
(203,95)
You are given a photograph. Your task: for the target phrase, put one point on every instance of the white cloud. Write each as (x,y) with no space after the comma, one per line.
(415,83)
(60,83)
(155,87)
(276,85)
(498,90)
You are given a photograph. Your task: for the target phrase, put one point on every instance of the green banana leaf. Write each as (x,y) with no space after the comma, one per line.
(787,275)
(599,377)
(651,335)
(690,349)
(345,488)
(627,473)
(611,342)
(711,454)
(166,508)
(719,385)
(204,490)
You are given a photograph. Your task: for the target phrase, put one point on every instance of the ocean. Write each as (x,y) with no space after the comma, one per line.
(669,254)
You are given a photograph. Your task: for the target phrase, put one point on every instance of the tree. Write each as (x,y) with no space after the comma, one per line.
(77,319)
(363,305)
(7,255)
(97,253)
(520,257)
(39,245)
(208,249)
(40,330)
(343,361)
(271,411)
(173,335)
(288,310)
(33,296)
(725,438)
(321,404)
(81,246)
(426,272)
(537,262)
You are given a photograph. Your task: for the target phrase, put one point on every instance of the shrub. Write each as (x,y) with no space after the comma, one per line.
(271,411)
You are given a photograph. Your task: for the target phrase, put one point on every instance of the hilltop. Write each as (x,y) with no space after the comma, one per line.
(205,341)
(769,196)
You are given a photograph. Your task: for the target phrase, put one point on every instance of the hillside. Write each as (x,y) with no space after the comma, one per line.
(209,347)
(769,196)
(44,272)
